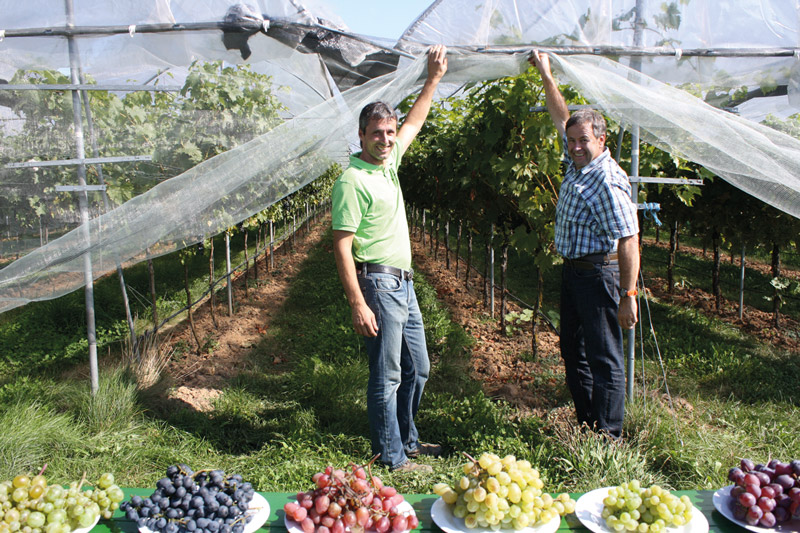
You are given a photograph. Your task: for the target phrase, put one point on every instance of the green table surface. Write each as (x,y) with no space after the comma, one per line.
(422,506)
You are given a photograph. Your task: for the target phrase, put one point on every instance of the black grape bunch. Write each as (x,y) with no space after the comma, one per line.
(206,501)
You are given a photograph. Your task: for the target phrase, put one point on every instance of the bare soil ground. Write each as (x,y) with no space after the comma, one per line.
(503,364)
(754,322)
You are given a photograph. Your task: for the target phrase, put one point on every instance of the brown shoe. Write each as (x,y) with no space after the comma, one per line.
(425,448)
(409,466)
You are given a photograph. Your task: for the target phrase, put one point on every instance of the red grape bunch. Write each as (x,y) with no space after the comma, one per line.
(765,495)
(349,501)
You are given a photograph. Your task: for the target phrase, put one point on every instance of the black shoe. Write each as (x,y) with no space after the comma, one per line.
(425,448)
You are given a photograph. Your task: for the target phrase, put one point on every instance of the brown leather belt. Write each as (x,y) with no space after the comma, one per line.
(589,262)
(362,269)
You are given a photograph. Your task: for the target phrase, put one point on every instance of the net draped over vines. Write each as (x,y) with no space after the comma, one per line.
(310,78)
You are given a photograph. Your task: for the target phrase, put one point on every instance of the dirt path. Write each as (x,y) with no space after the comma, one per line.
(200,378)
(503,364)
(755,322)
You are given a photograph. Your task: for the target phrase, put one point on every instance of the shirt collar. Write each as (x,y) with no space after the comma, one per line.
(356,161)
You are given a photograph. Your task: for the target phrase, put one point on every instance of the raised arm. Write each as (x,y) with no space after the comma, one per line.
(437,66)
(556,105)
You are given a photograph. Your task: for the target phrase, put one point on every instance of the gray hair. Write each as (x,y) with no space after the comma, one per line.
(581,116)
(375,110)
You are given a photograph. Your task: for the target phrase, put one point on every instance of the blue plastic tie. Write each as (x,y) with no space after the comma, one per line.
(650,210)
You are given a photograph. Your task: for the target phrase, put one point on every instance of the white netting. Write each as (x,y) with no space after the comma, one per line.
(320,78)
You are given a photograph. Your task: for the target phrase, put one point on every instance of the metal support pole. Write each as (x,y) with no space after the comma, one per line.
(83,203)
(107,207)
(741,286)
(491,271)
(636,64)
(631,334)
(228,271)
(271,246)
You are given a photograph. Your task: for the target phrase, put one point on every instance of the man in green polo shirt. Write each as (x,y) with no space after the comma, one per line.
(373,257)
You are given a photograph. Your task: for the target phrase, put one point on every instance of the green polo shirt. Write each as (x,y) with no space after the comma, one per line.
(367,201)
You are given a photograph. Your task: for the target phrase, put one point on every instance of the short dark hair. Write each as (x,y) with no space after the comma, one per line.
(582,116)
(376,110)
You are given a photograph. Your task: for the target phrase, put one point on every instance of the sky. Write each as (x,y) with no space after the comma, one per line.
(378,18)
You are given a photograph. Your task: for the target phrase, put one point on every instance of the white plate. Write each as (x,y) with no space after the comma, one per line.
(723,502)
(87,529)
(258,511)
(442,516)
(589,511)
(294,527)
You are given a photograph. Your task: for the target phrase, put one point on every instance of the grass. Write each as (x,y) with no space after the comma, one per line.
(278,424)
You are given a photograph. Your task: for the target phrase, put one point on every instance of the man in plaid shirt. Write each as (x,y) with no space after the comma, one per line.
(596,232)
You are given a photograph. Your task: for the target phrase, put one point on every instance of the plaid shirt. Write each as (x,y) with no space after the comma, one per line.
(594,208)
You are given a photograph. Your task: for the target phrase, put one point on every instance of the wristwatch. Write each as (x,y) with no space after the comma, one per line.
(623,292)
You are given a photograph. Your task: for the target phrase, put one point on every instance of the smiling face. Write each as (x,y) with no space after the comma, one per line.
(582,144)
(377,140)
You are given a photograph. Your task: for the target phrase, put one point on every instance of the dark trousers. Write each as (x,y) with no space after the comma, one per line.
(591,345)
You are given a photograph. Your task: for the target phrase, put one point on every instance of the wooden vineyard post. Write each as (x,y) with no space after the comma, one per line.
(212,292)
(458,246)
(436,245)
(536,307)
(503,268)
(776,294)
(715,288)
(246,263)
(469,259)
(673,248)
(433,230)
(228,271)
(151,272)
(271,265)
(185,261)
(255,255)
(447,243)
(741,284)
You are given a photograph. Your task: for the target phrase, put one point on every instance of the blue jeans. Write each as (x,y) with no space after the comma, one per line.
(591,345)
(398,366)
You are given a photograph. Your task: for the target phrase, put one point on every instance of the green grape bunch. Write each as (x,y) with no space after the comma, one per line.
(30,505)
(502,493)
(631,507)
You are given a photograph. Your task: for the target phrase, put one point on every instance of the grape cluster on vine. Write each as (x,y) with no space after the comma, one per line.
(765,495)
(206,501)
(350,499)
(631,507)
(502,493)
(30,505)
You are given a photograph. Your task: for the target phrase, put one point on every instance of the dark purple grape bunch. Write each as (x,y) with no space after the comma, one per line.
(765,495)
(206,501)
